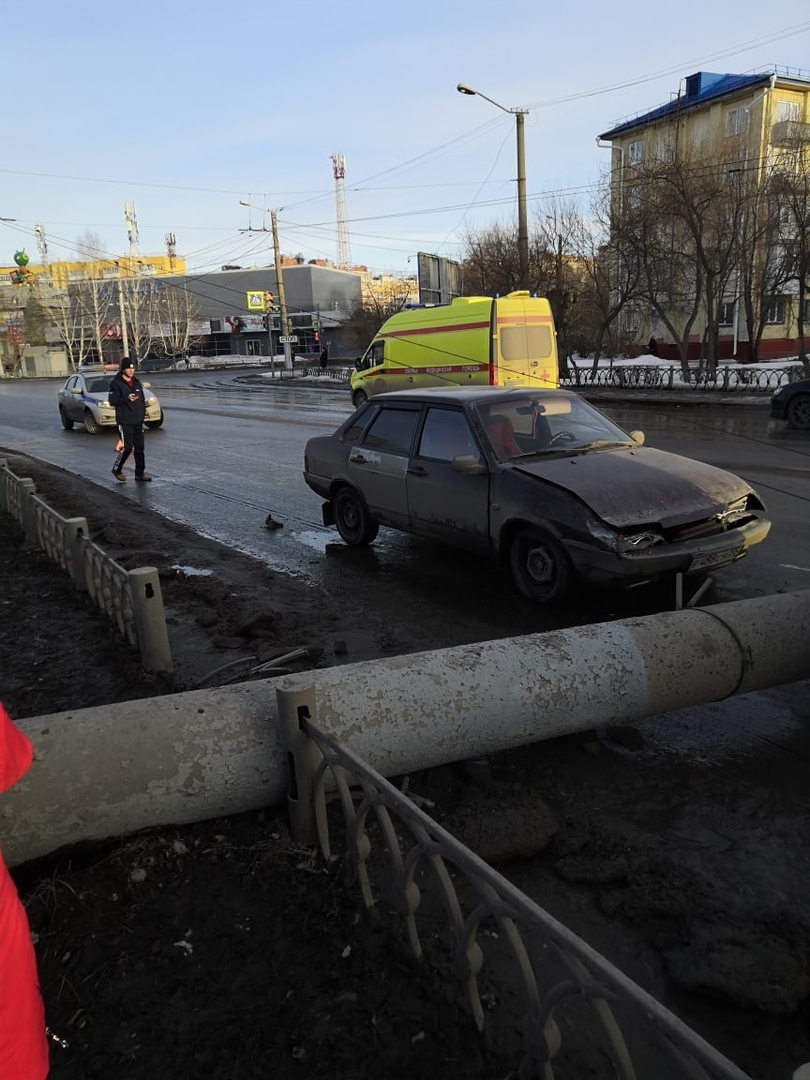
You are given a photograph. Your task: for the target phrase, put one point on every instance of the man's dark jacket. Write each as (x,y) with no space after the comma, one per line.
(126,411)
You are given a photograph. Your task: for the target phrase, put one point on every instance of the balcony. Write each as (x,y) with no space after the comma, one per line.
(790,133)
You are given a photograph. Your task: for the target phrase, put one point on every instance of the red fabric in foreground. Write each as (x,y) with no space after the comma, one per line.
(23,1042)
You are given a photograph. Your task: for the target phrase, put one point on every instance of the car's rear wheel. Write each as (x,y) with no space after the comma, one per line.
(155,423)
(66,424)
(540,567)
(352,519)
(359,397)
(798,412)
(90,425)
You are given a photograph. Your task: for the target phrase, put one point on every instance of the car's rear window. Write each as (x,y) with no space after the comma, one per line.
(525,342)
(392,430)
(355,427)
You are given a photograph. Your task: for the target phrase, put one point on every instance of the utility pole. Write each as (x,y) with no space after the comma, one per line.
(282,303)
(124,336)
(285,325)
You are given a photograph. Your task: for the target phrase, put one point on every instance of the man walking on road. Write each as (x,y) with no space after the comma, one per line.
(126,395)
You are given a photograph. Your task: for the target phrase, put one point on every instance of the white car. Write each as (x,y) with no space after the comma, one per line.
(84,399)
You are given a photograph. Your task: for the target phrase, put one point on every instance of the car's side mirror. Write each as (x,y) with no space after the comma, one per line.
(468,464)
(147,385)
(76,390)
(637,437)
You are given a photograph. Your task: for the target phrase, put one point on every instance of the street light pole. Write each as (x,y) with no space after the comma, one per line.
(523,224)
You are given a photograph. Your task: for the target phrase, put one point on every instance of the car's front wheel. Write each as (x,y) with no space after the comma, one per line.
(359,397)
(90,424)
(66,424)
(155,423)
(353,522)
(540,567)
(798,412)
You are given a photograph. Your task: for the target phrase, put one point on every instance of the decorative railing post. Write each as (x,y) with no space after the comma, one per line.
(303,758)
(76,531)
(27,490)
(150,620)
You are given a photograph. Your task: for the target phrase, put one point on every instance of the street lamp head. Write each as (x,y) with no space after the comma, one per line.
(464,88)
(244,202)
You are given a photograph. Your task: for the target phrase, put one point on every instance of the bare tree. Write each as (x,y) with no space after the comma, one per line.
(140,297)
(175,310)
(763,265)
(682,218)
(792,182)
(607,270)
(490,263)
(89,248)
(368,315)
(92,303)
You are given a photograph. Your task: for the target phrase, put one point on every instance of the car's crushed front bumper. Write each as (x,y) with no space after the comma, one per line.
(700,556)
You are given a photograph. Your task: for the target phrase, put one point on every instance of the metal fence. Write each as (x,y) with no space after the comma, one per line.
(739,378)
(546,1003)
(131,599)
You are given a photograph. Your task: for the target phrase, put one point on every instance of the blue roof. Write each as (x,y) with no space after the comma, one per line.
(702,87)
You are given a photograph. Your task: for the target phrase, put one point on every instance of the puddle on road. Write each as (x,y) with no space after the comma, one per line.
(192,571)
(312,539)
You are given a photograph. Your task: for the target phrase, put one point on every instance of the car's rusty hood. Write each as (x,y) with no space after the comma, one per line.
(640,486)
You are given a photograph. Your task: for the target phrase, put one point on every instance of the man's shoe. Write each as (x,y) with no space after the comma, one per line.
(119,476)
(144,476)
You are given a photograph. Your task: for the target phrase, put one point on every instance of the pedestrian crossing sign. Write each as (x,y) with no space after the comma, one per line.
(256,300)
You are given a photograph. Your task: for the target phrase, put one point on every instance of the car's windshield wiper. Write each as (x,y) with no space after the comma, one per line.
(605,444)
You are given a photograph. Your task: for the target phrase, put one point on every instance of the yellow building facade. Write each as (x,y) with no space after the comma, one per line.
(59,275)
(755,127)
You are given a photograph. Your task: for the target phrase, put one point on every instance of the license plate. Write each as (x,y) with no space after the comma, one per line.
(714,558)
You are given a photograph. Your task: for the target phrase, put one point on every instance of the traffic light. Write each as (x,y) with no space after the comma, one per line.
(317,337)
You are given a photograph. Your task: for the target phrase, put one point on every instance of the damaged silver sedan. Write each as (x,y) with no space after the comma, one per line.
(540,481)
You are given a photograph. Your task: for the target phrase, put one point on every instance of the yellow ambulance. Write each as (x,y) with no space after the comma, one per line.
(472,341)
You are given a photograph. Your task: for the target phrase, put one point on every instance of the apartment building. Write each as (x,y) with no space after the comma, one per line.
(746,138)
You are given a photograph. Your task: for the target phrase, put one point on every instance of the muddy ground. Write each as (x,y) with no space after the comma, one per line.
(224,950)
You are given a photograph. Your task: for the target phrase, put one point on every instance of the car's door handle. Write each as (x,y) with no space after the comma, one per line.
(359,459)
(417,470)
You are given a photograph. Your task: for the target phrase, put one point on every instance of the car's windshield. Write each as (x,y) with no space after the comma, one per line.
(545,423)
(98,386)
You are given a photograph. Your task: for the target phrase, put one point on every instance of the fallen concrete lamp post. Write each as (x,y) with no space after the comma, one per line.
(116,769)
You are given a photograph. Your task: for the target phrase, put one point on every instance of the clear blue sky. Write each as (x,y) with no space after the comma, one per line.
(184,109)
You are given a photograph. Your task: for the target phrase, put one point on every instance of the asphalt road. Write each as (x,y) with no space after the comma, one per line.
(231,452)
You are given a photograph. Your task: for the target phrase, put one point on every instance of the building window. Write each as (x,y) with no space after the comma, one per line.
(725,315)
(634,152)
(775,311)
(736,121)
(634,197)
(787,110)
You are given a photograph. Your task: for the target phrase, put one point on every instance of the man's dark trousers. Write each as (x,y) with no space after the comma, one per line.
(132,434)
